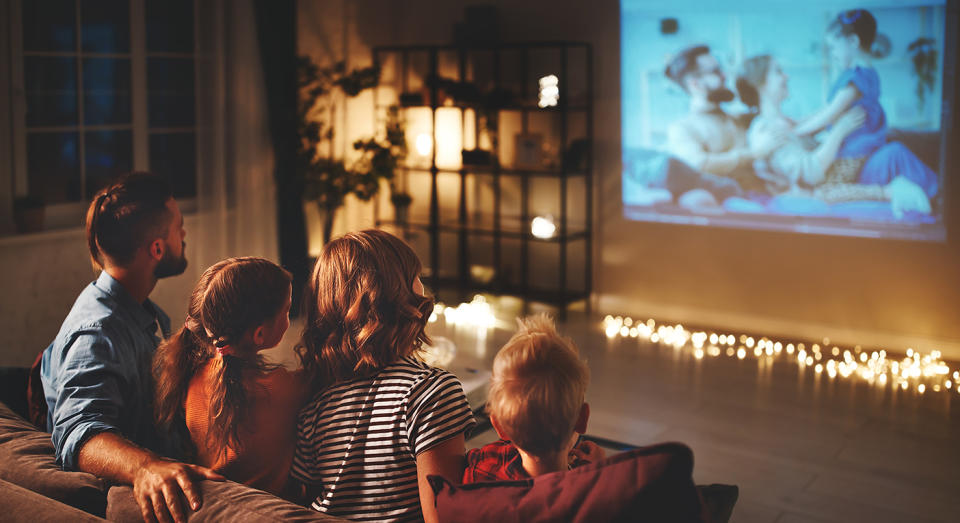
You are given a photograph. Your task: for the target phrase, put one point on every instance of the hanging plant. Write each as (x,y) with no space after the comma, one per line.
(923,54)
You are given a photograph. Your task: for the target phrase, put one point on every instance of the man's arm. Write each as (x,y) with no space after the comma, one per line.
(157,482)
(688,147)
(86,427)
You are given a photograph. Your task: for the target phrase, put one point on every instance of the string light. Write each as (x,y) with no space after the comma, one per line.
(477,313)
(926,373)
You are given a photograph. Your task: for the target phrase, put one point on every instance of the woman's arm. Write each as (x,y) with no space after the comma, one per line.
(825,154)
(830,112)
(447,460)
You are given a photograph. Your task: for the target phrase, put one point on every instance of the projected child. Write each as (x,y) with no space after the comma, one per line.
(803,166)
(865,155)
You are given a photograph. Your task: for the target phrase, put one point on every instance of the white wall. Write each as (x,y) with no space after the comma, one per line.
(42,275)
(875,293)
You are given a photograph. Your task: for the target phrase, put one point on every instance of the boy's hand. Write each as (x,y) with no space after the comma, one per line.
(587,452)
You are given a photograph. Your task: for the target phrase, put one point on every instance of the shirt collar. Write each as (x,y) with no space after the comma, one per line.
(143,313)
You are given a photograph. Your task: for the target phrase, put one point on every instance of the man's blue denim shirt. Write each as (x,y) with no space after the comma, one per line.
(96,373)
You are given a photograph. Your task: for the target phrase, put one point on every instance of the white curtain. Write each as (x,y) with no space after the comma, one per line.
(236,194)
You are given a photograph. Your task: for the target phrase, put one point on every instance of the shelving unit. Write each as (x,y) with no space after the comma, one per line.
(495,226)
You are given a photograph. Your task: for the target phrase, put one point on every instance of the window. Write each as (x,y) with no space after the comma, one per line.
(105,87)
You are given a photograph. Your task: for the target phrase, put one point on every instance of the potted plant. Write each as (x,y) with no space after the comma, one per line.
(401,205)
(326,180)
(28,213)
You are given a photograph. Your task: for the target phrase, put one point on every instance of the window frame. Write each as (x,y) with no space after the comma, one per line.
(71,214)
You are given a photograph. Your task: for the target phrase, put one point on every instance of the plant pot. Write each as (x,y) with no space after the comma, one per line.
(401,214)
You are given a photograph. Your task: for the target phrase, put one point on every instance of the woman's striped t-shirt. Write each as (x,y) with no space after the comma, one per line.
(358,440)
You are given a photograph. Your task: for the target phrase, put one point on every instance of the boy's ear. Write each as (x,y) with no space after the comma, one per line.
(581,426)
(496,427)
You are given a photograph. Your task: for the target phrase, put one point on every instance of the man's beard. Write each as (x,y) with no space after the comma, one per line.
(720,95)
(170,266)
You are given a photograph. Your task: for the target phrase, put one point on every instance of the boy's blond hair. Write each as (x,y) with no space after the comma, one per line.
(538,387)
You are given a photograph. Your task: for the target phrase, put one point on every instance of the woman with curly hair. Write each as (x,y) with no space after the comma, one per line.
(380,419)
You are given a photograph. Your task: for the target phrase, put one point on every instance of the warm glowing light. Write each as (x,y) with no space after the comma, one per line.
(477,313)
(549,91)
(424,144)
(925,372)
(543,227)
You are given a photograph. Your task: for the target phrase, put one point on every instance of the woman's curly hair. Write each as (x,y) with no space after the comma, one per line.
(360,310)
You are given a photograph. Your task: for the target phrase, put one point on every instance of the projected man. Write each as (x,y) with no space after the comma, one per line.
(708,138)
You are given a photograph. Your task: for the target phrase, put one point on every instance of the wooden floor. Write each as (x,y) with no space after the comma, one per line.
(800,446)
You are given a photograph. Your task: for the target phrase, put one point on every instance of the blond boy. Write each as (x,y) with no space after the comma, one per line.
(536,406)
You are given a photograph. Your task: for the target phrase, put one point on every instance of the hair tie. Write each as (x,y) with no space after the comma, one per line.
(223,347)
(850,17)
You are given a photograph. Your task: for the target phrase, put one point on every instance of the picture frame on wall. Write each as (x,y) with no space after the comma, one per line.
(528,151)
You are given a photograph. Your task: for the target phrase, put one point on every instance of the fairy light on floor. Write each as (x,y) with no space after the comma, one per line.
(924,373)
(477,313)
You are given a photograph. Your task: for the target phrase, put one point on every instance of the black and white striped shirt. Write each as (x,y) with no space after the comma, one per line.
(358,440)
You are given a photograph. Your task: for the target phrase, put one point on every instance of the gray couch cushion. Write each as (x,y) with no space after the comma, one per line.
(28,461)
(222,501)
(20,504)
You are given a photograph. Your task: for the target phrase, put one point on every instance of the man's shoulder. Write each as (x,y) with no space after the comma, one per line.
(94,313)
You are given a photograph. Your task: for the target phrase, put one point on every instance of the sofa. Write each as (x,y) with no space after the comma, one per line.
(653,481)
(34,488)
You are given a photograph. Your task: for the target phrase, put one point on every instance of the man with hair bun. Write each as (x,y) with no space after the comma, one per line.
(97,372)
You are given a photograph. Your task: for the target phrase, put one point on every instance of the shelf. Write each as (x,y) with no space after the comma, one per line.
(481,46)
(553,109)
(467,227)
(487,170)
(553,296)
(509,228)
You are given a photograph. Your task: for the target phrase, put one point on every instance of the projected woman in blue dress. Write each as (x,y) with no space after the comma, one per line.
(865,155)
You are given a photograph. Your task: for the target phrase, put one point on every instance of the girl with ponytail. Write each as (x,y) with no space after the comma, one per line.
(232,411)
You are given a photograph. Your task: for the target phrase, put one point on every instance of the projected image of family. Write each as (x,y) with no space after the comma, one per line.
(806,119)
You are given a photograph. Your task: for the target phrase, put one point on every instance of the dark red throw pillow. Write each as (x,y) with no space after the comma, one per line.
(649,484)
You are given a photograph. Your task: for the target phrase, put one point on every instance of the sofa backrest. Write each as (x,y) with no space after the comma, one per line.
(28,461)
(20,504)
(222,501)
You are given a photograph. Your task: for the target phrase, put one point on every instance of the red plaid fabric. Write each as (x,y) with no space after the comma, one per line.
(497,461)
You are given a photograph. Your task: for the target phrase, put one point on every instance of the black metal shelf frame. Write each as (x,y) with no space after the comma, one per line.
(562,295)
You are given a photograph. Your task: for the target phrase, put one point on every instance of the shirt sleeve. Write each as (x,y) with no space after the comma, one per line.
(437,410)
(89,398)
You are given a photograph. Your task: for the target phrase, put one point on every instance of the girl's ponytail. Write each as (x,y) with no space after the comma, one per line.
(176,361)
